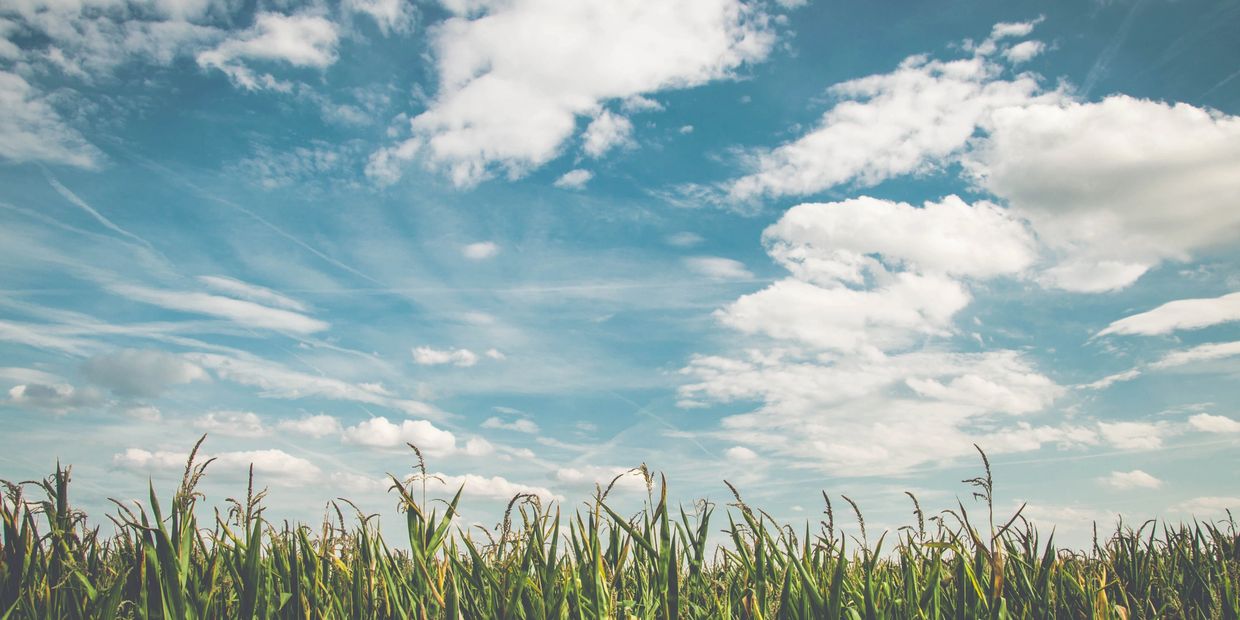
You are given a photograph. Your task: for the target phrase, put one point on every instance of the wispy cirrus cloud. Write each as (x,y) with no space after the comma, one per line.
(1182,314)
(242,312)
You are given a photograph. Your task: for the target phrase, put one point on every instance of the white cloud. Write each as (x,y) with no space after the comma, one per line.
(684,239)
(1024,51)
(276,381)
(495,354)
(740,454)
(605,132)
(31,130)
(1217,424)
(853,379)
(380,433)
(391,16)
(494,487)
(837,241)
(309,166)
(145,413)
(278,467)
(232,423)
(428,356)
(356,484)
(522,425)
(55,398)
(1109,380)
(1135,479)
(1209,506)
(141,373)
(1117,186)
(888,125)
(858,415)
(38,336)
(586,476)
(1199,353)
(301,40)
(514,76)
(1112,188)
(1179,315)
(274,466)
(477,446)
(258,294)
(718,268)
(1133,435)
(146,460)
(842,318)
(315,426)
(873,273)
(574,179)
(481,250)
(239,311)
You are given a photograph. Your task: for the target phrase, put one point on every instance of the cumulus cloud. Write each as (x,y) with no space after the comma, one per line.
(301,40)
(1117,186)
(54,398)
(1112,188)
(1133,435)
(1127,480)
(429,356)
(1217,424)
(512,83)
(860,414)
(718,268)
(239,311)
(606,132)
(841,383)
(481,250)
(521,425)
(315,426)
(380,433)
(887,125)
(1024,51)
(232,423)
(1179,315)
(273,466)
(870,273)
(740,454)
(141,373)
(495,487)
(471,485)
(31,130)
(574,179)
(838,241)
(587,476)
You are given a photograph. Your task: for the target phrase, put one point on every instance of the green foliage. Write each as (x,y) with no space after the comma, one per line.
(597,563)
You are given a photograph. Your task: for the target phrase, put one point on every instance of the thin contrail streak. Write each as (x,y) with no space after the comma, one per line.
(81,204)
(1108,54)
(276,229)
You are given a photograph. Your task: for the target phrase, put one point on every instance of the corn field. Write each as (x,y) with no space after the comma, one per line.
(167,561)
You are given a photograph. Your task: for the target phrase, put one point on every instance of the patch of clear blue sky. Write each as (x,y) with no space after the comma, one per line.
(602,312)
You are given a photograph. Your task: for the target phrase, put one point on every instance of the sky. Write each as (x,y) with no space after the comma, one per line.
(800,246)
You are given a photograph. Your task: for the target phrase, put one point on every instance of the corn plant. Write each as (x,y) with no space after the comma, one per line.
(170,560)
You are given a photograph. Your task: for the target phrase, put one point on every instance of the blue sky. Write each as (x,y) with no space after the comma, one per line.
(796,245)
